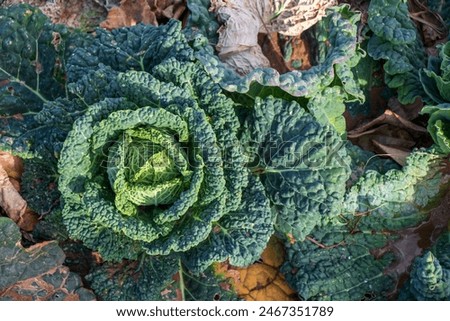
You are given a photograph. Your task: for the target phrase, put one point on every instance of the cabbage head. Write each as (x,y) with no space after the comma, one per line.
(156,166)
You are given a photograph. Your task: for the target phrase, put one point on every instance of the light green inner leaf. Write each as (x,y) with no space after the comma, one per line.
(147,167)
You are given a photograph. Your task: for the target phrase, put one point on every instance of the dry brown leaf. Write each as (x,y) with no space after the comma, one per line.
(237,45)
(391,118)
(409,111)
(397,154)
(15,207)
(292,17)
(274,253)
(131,12)
(243,20)
(261,281)
(38,289)
(13,165)
(73,13)
(389,134)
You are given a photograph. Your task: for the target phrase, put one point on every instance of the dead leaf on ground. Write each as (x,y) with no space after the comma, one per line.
(129,13)
(293,17)
(431,24)
(261,281)
(242,21)
(35,273)
(389,134)
(286,53)
(132,12)
(409,111)
(15,207)
(13,165)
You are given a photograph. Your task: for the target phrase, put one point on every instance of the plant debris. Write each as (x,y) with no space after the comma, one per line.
(35,273)
(15,207)
(131,12)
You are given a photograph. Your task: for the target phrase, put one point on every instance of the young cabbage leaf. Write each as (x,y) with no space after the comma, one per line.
(430,275)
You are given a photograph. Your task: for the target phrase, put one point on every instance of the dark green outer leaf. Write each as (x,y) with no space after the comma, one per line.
(344,269)
(201,20)
(430,274)
(302,163)
(397,41)
(141,48)
(394,200)
(142,280)
(239,236)
(33,53)
(436,77)
(389,19)
(429,280)
(207,286)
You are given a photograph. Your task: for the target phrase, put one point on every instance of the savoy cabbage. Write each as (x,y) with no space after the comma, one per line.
(356,255)
(156,166)
(164,162)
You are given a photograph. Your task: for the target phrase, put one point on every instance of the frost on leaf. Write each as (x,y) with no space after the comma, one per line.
(35,273)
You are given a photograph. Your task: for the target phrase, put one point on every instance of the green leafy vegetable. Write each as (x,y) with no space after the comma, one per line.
(163,161)
(354,256)
(430,275)
(133,280)
(439,125)
(302,163)
(436,78)
(32,74)
(436,83)
(396,40)
(429,280)
(202,20)
(160,170)
(32,59)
